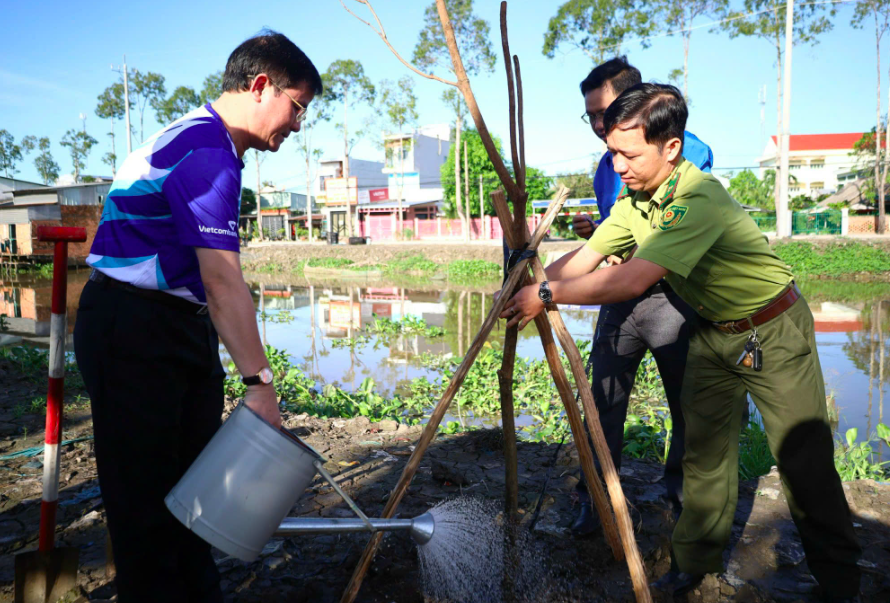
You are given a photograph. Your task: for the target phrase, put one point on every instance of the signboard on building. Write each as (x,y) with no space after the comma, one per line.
(373,195)
(379,194)
(337,191)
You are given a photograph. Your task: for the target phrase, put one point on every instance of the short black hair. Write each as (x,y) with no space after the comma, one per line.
(617,72)
(274,54)
(659,108)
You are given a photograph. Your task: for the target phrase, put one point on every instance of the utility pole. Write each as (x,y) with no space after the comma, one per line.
(783,217)
(761,97)
(467,191)
(123,70)
(481,205)
(259,199)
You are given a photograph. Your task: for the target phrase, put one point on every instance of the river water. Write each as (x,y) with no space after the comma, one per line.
(306,320)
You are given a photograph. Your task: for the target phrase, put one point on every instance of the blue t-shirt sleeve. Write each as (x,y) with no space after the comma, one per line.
(697,152)
(606,184)
(204,192)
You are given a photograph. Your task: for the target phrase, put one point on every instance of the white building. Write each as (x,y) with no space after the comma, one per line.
(815,161)
(411,172)
(418,157)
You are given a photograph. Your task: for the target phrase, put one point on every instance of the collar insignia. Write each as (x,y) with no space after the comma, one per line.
(673,181)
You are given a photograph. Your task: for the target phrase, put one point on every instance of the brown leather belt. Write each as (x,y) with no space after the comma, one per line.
(785,300)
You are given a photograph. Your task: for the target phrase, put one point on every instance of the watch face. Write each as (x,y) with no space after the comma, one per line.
(266,376)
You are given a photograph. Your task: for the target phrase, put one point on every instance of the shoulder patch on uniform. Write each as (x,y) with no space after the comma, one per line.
(672,216)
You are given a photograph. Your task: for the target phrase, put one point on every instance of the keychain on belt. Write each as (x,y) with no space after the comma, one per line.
(752,355)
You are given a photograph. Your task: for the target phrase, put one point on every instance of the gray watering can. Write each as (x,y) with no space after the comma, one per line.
(240,488)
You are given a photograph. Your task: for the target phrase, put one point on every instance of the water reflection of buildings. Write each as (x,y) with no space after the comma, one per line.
(833,317)
(345,311)
(28,307)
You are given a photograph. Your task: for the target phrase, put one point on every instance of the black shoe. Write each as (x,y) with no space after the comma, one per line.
(855,599)
(587,522)
(677,583)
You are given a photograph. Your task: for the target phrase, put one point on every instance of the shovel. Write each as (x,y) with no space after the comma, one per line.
(47,574)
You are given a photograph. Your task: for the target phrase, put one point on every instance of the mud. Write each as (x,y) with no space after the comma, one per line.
(764,563)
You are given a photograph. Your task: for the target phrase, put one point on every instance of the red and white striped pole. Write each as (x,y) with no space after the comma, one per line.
(60,236)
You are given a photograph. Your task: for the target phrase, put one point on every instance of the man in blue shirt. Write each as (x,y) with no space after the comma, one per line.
(658,320)
(166,288)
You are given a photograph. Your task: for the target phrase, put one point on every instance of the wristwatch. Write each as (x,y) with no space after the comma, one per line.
(264,377)
(544,293)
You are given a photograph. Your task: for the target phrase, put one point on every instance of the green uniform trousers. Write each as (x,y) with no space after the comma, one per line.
(790,394)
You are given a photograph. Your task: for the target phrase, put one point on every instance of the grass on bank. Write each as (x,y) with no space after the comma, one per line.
(835,259)
(404,264)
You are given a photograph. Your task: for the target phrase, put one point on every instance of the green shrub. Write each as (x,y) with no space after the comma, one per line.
(836,259)
(410,264)
(329,263)
(473,269)
(857,460)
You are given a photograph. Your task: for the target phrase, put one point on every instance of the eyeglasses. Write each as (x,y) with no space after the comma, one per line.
(301,110)
(591,118)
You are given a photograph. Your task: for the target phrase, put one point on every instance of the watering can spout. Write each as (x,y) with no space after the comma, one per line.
(420,528)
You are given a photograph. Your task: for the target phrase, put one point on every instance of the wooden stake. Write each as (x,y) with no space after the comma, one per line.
(511,457)
(518,274)
(619,503)
(585,456)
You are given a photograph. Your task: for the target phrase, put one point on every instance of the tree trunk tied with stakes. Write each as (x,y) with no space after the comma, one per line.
(619,534)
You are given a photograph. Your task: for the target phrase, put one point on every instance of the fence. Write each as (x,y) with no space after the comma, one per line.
(486,228)
(864,224)
(826,222)
(765,223)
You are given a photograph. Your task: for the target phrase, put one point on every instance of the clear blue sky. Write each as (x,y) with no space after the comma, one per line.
(56,61)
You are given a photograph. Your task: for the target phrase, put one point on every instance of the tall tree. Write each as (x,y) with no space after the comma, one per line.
(431,53)
(879,10)
(747,188)
(212,89)
(765,19)
(10,154)
(44,162)
(598,28)
(111,107)
(677,17)
(348,84)
(455,101)
(146,89)
(399,104)
(480,167)
(79,145)
(319,112)
(581,183)
(183,100)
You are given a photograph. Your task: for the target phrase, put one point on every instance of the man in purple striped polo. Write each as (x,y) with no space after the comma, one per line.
(166,288)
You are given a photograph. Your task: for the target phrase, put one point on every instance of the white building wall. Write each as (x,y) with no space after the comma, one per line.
(816,171)
(369,174)
(429,155)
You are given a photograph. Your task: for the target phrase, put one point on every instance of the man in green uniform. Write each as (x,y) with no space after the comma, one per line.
(755,333)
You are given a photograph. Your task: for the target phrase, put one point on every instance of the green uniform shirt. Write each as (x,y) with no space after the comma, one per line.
(719,261)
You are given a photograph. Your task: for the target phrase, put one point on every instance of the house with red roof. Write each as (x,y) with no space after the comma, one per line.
(815,161)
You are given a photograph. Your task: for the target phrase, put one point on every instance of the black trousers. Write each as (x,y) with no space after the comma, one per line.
(658,321)
(156,388)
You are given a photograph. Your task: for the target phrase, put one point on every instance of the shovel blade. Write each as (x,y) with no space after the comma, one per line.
(45,577)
